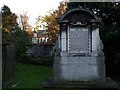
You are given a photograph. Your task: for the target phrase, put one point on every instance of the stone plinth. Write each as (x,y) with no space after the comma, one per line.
(78,68)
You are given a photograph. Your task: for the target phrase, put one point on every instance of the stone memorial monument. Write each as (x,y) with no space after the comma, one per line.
(79,55)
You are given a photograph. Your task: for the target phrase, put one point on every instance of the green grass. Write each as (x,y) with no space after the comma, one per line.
(31,76)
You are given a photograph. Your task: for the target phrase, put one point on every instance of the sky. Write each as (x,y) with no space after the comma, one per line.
(34,8)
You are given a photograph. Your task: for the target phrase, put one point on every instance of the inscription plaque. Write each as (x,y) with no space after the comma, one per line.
(78,40)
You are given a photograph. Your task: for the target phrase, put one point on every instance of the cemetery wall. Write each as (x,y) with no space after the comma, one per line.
(37,50)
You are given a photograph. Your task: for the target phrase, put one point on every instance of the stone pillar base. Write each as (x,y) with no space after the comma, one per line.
(79,68)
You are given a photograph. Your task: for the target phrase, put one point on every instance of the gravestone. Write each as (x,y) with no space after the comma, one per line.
(8,64)
(79,56)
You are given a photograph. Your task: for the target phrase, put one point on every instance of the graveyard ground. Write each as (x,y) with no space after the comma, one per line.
(31,76)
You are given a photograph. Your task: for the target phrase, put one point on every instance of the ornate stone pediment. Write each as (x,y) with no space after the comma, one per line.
(79,15)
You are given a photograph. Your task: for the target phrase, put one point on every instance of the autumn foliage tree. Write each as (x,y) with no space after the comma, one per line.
(23,21)
(12,33)
(50,21)
(9,23)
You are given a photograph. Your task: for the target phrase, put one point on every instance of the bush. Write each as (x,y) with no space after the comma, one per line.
(21,39)
(47,61)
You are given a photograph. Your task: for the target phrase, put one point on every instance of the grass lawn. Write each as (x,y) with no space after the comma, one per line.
(30,76)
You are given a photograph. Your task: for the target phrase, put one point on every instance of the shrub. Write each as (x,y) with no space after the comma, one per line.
(48,61)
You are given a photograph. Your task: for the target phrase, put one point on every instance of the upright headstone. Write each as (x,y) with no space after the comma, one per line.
(8,64)
(79,55)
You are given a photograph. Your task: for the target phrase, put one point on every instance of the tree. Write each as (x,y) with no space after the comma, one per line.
(40,23)
(23,21)
(21,39)
(9,22)
(50,21)
(29,30)
(12,33)
(108,11)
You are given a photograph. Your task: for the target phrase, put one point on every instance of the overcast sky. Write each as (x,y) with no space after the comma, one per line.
(34,8)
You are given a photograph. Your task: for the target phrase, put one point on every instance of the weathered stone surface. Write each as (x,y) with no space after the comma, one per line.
(8,64)
(79,68)
(78,40)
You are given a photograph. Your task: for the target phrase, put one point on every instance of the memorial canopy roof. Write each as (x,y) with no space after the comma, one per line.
(81,15)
